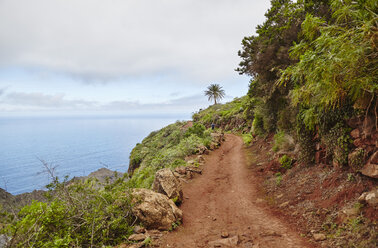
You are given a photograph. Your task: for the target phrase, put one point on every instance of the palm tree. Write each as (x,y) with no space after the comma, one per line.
(214,92)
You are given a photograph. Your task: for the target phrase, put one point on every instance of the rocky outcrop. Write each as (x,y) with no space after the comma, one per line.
(217,139)
(364,157)
(154,210)
(187,172)
(167,184)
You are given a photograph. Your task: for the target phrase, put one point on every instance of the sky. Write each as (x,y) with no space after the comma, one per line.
(137,57)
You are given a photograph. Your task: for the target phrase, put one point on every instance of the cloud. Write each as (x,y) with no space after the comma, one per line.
(40,101)
(2,91)
(105,40)
(21,101)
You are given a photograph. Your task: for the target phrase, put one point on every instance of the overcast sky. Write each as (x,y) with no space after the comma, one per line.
(121,56)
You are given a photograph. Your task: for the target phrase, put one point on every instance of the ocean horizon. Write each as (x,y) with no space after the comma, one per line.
(74,145)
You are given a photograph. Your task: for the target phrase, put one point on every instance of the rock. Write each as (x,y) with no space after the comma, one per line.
(224,234)
(177,175)
(3,241)
(374,158)
(357,158)
(181,170)
(155,234)
(355,133)
(319,236)
(166,183)
(137,237)
(154,210)
(285,204)
(194,169)
(217,138)
(202,150)
(139,229)
(348,213)
(370,170)
(279,196)
(371,198)
(228,242)
(189,175)
(200,159)
(358,143)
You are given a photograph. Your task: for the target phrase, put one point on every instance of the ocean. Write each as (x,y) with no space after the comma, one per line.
(75,146)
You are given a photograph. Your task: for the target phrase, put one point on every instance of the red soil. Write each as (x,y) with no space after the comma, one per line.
(225,199)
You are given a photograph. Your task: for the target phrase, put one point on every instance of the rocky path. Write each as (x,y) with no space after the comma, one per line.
(224,200)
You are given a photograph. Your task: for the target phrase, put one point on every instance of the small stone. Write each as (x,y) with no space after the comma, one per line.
(137,237)
(181,170)
(371,198)
(228,242)
(270,233)
(225,234)
(139,229)
(214,218)
(319,236)
(285,204)
(355,133)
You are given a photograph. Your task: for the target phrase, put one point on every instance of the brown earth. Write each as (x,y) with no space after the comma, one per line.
(225,199)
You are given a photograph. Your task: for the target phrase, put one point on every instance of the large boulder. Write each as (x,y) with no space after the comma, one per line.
(154,210)
(167,184)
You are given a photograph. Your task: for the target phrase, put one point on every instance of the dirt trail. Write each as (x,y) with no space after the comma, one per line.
(224,198)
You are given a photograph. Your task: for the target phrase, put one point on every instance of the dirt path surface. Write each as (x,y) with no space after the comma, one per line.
(224,199)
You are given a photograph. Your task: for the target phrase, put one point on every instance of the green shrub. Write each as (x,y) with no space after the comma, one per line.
(282,142)
(286,162)
(247,138)
(82,214)
(197,129)
(258,125)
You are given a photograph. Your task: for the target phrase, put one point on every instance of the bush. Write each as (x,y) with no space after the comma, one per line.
(282,142)
(247,138)
(258,125)
(82,214)
(286,162)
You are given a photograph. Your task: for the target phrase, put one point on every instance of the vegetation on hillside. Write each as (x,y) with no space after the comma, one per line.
(166,148)
(313,66)
(94,214)
(234,115)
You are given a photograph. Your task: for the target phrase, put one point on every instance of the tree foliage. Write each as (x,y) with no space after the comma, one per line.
(337,59)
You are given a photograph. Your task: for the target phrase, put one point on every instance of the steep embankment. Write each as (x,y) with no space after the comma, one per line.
(224,200)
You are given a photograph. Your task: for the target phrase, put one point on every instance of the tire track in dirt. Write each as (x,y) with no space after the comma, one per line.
(223,199)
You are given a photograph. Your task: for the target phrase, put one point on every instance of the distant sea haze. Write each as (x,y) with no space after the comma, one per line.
(76,145)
